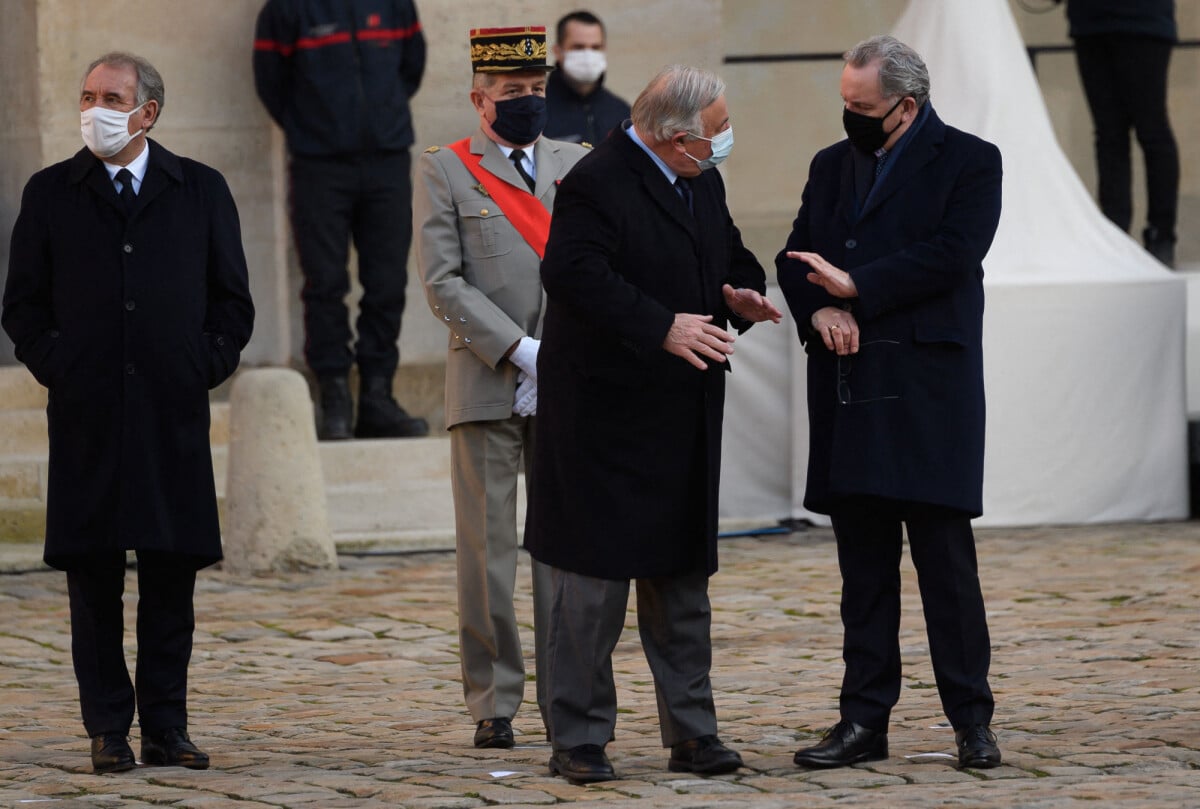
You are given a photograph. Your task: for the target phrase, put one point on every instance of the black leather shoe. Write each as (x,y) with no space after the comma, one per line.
(494,733)
(337,409)
(381,416)
(844,744)
(172,748)
(1160,244)
(111,753)
(977,747)
(704,755)
(584,764)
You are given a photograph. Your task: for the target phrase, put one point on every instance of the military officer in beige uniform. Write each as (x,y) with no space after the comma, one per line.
(481,211)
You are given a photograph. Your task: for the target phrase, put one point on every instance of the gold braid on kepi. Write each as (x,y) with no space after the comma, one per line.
(505,50)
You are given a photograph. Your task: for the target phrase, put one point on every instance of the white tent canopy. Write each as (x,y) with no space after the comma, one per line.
(1083,331)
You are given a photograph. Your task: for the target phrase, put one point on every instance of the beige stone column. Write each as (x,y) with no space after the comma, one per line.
(276,514)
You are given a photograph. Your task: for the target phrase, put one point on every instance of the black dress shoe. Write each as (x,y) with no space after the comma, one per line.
(584,764)
(704,755)
(172,748)
(111,753)
(977,747)
(494,733)
(846,743)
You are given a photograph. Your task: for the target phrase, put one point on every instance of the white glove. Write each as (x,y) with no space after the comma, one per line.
(525,400)
(524,356)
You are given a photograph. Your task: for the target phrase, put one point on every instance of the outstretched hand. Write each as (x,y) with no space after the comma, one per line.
(837,283)
(749,304)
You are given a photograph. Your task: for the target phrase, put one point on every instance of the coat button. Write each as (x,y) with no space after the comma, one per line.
(54,333)
(220,340)
(467,341)
(446,318)
(128,248)
(851,244)
(130,306)
(129,369)
(483,212)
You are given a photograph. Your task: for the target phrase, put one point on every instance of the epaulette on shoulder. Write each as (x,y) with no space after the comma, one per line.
(433,149)
(585,144)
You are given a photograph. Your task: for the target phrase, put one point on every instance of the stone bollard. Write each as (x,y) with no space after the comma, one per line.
(276,516)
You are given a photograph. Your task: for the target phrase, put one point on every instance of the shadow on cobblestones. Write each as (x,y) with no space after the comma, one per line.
(342,689)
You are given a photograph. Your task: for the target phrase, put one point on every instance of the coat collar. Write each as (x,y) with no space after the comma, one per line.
(546,158)
(162,169)
(924,147)
(655,182)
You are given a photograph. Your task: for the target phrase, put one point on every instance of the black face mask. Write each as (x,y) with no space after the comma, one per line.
(520,120)
(865,132)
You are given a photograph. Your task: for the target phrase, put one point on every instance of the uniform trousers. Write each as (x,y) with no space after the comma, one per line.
(586,618)
(486,457)
(367,198)
(165,622)
(869,543)
(1125,80)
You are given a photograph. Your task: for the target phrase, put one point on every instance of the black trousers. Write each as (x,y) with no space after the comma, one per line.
(869,542)
(367,198)
(1125,80)
(165,622)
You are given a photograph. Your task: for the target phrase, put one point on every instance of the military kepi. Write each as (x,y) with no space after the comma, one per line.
(504,50)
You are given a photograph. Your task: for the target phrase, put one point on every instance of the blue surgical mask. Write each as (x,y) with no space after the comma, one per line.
(722,145)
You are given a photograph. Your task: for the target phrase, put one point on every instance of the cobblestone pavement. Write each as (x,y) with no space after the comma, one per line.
(342,689)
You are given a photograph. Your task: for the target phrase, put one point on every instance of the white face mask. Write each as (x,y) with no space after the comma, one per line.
(584,66)
(105,131)
(722,145)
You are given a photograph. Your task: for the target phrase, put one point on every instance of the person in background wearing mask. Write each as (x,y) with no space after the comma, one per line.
(644,271)
(581,109)
(127,296)
(482,214)
(883,274)
(337,77)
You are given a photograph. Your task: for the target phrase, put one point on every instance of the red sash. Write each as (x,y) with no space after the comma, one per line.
(526,212)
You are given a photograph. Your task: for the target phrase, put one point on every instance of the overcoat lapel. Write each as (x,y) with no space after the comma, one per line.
(495,162)
(86,168)
(162,169)
(847,199)
(656,185)
(925,147)
(548,163)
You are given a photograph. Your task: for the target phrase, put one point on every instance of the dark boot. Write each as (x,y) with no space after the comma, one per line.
(337,409)
(379,415)
(1160,244)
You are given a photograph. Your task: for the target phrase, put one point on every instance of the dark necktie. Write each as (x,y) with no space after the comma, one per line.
(880,159)
(516,157)
(684,187)
(127,195)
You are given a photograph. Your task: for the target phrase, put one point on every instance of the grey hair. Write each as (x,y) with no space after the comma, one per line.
(902,71)
(149,82)
(483,81)
(673,100)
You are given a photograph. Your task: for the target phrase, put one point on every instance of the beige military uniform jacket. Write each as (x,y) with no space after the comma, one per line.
(481,277)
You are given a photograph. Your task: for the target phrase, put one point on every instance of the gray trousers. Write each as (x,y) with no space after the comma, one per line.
(586,618)
(485,460)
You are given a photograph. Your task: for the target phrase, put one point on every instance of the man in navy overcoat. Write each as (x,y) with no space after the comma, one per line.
(127,297)
(883,274)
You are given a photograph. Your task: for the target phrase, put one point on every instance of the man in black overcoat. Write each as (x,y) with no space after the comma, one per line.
(883,273)
(644,270)
(127,297)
